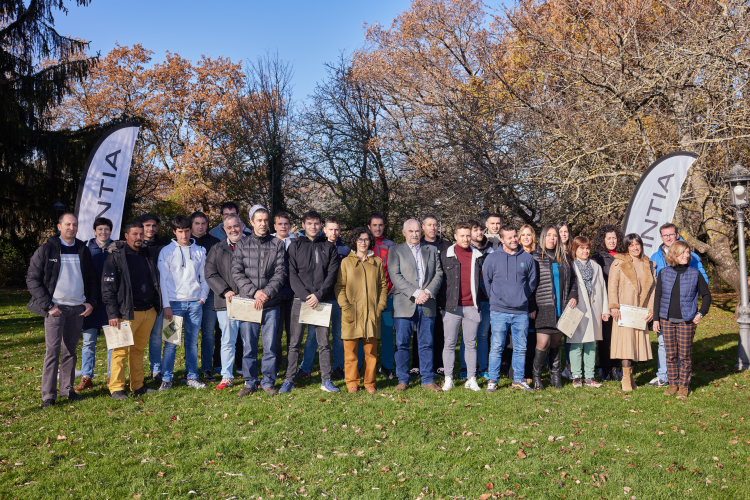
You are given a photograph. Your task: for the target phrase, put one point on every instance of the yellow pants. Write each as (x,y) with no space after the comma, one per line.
(351,373)
(141,325)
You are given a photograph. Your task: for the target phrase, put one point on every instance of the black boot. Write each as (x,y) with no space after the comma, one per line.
(555,368)
(540,358)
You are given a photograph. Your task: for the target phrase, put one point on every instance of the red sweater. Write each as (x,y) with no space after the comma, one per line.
(464,288)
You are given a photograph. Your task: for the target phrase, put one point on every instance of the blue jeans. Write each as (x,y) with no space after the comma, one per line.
(519,330)
(208,323)
(387,351)
(483,341)
(337,345)
(229,329)
(154,345)
(661,366)
(267,330)
(192,313)
(404,329)
(88,353)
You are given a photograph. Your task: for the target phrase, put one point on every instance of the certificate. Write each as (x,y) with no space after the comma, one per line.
(320,316)
(633,317)
(121,337)
(569,320)
(242,309)
(171,331)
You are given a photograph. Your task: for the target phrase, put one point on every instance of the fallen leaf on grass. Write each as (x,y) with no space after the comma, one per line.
(485,496)
(521,454)
(61,438)
(489,486)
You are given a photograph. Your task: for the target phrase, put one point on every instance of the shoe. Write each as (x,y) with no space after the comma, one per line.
(118,395)
(143,390)
(225,382)
(682,393)
(590,382)
(615,374)
(448,384)
(86,383)
(566,373)
(286,387)
(401,386)
(463,374)
(472,384)
(521,385)
(338,374)
(246,391)
(540,358)
(73,396)
(627,374)
(270,390)
(673,389)
(328,386)
(414,372)
(352,389)
(301,375)
(196,384)
(491,386)
(433,387)
(605,375)
(165,385)
(371,389)
(46,403)
(555,369)
(440,371)
(657,382)
(577,383)
(387,373)
(157,377)
(485,375)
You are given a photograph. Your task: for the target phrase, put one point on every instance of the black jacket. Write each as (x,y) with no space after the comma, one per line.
(117,292)
(44,269)
(605,261)
(449,288)
(313,268)
(98,317)
(542,300)
(259,264)
(486,247)
(154,246)
(218,273)
(206,241)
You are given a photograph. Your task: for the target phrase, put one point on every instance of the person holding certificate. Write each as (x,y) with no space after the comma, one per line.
(676,314)
(631,283)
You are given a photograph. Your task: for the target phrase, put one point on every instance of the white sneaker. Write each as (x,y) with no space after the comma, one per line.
(566,373)
(448,385)
(472,384)
(196,384)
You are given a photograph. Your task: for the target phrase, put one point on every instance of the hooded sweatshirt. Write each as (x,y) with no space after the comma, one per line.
(181,273)
(510,280)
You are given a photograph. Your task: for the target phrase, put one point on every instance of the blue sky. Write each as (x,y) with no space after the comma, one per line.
(305,33)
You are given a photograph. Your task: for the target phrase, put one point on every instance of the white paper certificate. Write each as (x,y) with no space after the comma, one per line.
(242,309)
(320,316)
(633,317)
(569,320)
(171,331)
(118,338)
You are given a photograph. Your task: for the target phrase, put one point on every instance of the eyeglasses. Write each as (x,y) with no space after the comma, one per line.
(669,236)
(365,241)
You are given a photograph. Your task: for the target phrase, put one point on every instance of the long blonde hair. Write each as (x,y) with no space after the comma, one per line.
(560,256)
(533,236)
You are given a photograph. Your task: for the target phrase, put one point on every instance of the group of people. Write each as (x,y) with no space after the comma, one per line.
(499,288)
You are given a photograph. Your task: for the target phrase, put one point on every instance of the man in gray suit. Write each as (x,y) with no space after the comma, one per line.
(416,275)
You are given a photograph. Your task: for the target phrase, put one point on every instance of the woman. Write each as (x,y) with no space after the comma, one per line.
(362,293)
(595,309)
(556,287)
(527,239)
(677,316)
(563,229)
(608,242)
(631,282)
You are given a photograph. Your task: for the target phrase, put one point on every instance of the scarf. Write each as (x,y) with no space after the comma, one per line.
(587,273)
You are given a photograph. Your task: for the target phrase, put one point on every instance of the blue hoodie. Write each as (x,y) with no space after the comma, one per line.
(510,279)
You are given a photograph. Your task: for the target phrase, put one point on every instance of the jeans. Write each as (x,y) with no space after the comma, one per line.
(404,329)
(229,328)
(661,366)
(88,353)
(154,345)
(337,345)
(192,313)
(267,331)
(483,340)
(387,351)
(582,354)
(208,324)
(519,328)
(61,334)
(285,325)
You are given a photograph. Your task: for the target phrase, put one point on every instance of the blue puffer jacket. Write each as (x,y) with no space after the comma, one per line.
(98,318)
(659,259)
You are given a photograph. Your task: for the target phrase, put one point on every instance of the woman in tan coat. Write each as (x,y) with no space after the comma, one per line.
(362,294)
(631,282)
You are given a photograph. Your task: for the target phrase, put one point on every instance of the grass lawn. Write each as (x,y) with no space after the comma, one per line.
(569,443)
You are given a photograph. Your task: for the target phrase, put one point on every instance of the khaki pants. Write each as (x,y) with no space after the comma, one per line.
(141,326)
(370,348)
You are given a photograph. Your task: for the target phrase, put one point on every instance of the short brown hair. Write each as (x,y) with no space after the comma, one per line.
(668,225)
(578,241)
(282,215)
(677,248)
(462,225)
(506,229)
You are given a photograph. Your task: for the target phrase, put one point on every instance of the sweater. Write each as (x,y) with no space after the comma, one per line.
(464,256)
(510,280)
(181,273)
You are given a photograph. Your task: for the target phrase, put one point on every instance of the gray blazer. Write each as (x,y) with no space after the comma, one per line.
(402,269)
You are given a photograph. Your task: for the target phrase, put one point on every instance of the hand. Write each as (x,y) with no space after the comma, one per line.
(532,315)
(258,304)
(201,301)
(229,296)
(55,311)
(312,301)
(615,314)
(697,319)
(115,323)
(87,309)
(423,297)
(261,295)
(656,326)
(649,317)
(605,317)
(168,313)
(572,302)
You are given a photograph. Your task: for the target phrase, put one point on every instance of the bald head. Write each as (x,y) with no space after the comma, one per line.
(411,231)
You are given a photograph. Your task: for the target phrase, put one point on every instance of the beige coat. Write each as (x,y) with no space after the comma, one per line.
(590,327)
(362,293)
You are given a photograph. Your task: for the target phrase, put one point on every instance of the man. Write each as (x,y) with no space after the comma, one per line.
(669,234)
(510,278)
(219,278)
(459,300)
(376,225)
(198,228)
(283,226)
(184,291)
(313,269)
(332,231)
(259,271)
(62,280)
(416,274)
(155,244)
(227,208)
(130,291)
(92,324)
(493,223)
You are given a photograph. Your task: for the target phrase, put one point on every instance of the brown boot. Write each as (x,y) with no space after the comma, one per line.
(682,393)
(352,389)
(672,390)
(433,387)
(86,383)
(401,386)
(371,389)
(627,378)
